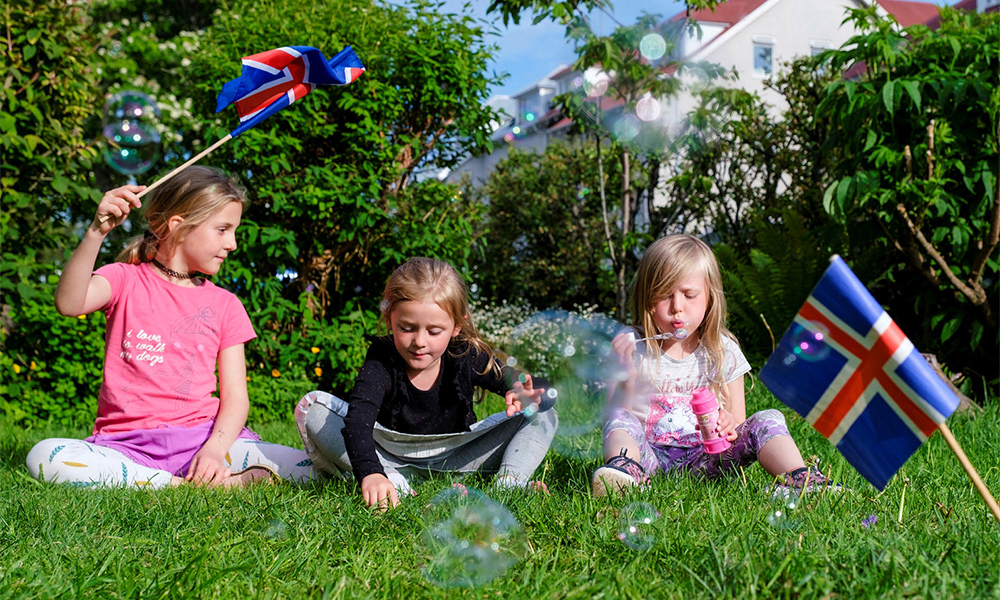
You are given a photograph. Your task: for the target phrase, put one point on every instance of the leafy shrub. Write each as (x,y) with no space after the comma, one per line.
(51,367)
(764,293)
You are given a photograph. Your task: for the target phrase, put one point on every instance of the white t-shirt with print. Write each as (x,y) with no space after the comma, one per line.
(665,407)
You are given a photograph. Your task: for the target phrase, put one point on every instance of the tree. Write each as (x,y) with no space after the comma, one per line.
(918,134)
(629,77)
(49,92)
(544,239)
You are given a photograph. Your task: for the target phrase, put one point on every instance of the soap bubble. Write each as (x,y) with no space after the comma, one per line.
(653,46)
(595,83)
(132,140)
(647,109)
(275,529)
(809,341)
(571,352)
(637,526)
(783,516)
(627,127)
(468,539)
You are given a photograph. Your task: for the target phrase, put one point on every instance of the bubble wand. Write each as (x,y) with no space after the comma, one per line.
(271,81)
(680,334)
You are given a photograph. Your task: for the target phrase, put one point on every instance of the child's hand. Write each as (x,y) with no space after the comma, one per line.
(115,207)
(623,346)
(208,468)
(522,395)
(726,425)
(377,490)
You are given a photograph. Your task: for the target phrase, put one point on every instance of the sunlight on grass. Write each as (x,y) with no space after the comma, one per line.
(709,540)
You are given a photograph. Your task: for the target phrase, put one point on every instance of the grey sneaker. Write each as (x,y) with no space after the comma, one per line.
(617,475)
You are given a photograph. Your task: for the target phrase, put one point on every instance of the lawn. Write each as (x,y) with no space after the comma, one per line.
(929,535)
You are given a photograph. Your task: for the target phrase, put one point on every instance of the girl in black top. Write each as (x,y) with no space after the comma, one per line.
(411,410)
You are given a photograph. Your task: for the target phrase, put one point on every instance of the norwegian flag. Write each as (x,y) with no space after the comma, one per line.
(848,369)
(274,79)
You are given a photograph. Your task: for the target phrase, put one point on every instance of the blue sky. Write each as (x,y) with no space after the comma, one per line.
(529,52)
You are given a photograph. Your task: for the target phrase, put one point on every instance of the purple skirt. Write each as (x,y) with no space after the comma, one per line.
(169,449)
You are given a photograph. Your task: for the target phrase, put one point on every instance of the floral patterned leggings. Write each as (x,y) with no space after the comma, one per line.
(751,435)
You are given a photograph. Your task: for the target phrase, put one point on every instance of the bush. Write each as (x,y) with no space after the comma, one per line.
(51,367)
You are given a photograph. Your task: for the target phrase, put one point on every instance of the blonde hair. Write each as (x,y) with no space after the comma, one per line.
(422,279)
(195,194)
(664,265)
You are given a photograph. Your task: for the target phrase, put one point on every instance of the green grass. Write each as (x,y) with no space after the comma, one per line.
(712,540)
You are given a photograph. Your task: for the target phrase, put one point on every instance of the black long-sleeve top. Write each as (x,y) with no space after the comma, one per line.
(383,393)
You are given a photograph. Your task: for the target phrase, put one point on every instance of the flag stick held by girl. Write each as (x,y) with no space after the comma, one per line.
(159,420)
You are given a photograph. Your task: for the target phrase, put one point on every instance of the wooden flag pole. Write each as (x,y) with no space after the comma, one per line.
(973,475)
(166,177)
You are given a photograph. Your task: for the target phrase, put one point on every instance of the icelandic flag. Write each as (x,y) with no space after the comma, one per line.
(274,79)
(848,369)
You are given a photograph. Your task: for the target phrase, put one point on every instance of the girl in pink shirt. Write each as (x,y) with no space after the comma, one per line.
(159,421)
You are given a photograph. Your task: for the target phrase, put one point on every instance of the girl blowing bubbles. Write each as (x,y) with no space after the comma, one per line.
(411,410)
(649,429)
(167,331)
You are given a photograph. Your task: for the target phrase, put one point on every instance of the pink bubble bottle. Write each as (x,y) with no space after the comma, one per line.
(706,408)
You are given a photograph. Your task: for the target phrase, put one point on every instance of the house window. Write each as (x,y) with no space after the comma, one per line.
(763,59)
(817,47)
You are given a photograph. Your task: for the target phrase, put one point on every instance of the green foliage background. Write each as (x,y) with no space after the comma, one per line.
(337,197)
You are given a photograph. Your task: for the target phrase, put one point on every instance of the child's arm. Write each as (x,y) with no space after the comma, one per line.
(79,291)
(371,386)
(623,382)
(209,464)
(735,411)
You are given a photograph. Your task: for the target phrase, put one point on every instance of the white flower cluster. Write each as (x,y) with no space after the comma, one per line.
(190,41)
(544,342)
(496,322)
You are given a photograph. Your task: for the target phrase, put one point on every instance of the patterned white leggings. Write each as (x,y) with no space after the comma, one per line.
(82,464)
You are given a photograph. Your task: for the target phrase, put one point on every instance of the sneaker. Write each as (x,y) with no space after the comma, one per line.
(618,474)
(804,480)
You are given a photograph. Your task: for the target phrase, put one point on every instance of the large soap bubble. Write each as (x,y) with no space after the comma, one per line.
(572,352)
(637,526)
(468,539)
(132,142)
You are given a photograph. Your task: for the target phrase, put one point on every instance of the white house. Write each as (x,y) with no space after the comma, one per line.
(752,37)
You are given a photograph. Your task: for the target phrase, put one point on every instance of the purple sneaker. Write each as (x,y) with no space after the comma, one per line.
(617,475)
(803,480)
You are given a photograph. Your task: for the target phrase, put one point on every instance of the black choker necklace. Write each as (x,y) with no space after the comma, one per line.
(171,272)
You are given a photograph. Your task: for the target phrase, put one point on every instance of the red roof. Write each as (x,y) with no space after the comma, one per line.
(969,5)
(910,13)
(731,12)
(906,12)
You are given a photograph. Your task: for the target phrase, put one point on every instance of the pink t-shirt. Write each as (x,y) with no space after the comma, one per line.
(161,350)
